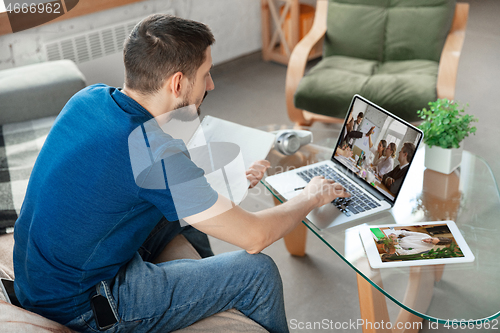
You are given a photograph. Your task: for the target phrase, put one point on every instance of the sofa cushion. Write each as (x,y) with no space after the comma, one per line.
(355,30)
(417,29)
(401,87)
(386,30)
(6,264)
(328,87)
(17,320)
(20,320)
(227,321)
(14,319)
(38,90)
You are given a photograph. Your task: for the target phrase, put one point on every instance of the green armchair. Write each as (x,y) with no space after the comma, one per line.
(400,54)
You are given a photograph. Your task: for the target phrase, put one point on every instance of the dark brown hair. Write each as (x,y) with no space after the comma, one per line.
(160,46)
(409,150)
(443,241)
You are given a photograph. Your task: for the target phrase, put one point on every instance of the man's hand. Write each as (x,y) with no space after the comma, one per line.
(389,181)
(256,171)
(255,231)
(370,132)
(324,190)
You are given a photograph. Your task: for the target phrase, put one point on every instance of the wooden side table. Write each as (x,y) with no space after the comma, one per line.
(278,44)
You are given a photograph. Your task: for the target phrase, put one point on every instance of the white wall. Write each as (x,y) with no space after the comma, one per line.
(236,25)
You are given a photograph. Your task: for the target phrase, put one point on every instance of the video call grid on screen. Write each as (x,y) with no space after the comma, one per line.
(386,127)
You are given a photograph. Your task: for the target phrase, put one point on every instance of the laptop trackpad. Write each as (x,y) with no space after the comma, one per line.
(323,216)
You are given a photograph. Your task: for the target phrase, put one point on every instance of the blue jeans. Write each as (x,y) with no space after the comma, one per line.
(165,231)
(168,296)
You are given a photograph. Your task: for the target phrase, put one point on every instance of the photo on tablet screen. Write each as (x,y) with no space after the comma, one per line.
(429,243)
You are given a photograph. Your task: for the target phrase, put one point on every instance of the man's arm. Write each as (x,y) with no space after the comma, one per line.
(255,231)
(387,175)
(369,135)
(395,184)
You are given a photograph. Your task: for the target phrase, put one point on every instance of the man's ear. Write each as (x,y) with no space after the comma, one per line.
(176,83)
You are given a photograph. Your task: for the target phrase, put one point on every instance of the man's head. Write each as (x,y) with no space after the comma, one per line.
(406,153)
(359,118)
(162,46)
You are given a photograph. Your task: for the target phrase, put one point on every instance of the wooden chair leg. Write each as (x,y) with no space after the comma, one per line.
(295,241)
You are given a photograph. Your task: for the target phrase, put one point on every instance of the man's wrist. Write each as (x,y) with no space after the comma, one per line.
(312,201)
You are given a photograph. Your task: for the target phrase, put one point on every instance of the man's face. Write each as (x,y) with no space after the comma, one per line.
(200,85)
(431,240)
(358,120)
(402,157)
(203,81)
(349,126)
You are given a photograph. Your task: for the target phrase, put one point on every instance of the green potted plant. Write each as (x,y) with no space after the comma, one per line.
(445,125)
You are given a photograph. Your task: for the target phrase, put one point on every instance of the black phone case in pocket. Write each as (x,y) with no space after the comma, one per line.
(8,288)
(103,313)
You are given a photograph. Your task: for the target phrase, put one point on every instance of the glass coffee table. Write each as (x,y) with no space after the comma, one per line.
(464,295)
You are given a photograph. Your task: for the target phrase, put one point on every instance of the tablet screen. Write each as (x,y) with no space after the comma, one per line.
(426,243)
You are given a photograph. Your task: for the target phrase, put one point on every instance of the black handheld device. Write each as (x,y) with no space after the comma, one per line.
(8,290)
(103,313)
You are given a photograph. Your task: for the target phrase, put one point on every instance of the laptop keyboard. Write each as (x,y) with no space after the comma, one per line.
(357,203)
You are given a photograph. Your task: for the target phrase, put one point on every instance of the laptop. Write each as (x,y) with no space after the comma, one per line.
(358,171)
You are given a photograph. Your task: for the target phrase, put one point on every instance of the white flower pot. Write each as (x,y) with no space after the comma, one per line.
(443,160)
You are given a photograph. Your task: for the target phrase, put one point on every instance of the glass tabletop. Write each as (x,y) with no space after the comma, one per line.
(466,292)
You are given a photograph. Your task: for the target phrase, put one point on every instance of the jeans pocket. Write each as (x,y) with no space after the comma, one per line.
(84,323)
(103,289)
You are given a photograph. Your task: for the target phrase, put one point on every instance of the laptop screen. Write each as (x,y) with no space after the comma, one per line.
(377,146)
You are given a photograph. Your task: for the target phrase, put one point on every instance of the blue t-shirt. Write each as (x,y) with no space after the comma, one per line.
(88,209)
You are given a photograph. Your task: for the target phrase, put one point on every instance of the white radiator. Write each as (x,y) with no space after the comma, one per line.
(98,53)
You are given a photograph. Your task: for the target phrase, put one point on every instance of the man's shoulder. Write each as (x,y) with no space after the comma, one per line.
(91,98)
(94,90)
(100,105)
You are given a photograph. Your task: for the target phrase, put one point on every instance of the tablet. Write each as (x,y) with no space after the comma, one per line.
(425,243)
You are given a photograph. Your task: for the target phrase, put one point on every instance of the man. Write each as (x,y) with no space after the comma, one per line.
(358,121)
(90,225)
(355,127)
(394,178)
